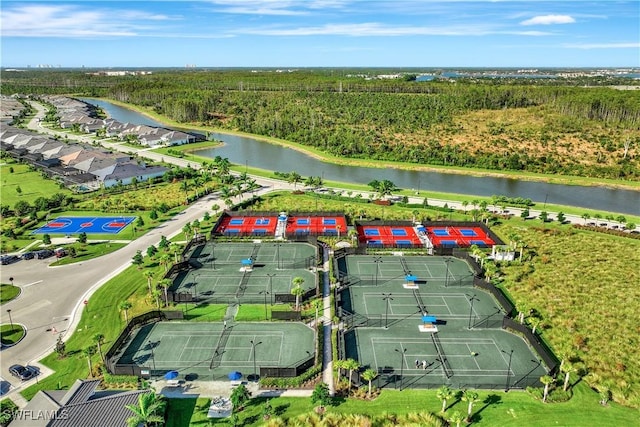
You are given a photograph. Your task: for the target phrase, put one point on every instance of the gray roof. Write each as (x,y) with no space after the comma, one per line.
(80,406)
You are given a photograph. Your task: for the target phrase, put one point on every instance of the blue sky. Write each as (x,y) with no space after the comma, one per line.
(321,33)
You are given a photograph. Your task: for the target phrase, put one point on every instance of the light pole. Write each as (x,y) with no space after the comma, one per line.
(253,350)
(471,300)
(377,260)
(153,357)
(10,320)
(213,256)
(278,255)
(386,298)
(265,303)
(506,386)
(404,350)
(447,261)
(271,276)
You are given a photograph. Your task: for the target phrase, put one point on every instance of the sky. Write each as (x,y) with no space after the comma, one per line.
(320,33)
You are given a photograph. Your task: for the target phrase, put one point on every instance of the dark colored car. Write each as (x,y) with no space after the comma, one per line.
(8,259)
(28,255)
(23,372)
(44,253)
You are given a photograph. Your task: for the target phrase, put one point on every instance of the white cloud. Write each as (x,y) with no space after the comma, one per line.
(375,29)
(549,20)
(634,45)
(275,7)
(72,22)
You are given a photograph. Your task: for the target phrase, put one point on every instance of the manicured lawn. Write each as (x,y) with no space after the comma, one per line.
(205,312)
(8,292)
(11,335)
(495,408)
(253,312)
(88,251)
(30,182)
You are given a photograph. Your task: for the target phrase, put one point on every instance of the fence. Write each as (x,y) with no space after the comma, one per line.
(286,315)
(116,350)
(539,346)
(288,372)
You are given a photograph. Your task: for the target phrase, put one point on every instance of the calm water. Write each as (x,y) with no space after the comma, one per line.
(243,150)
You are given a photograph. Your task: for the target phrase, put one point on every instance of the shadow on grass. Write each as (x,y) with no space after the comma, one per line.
(179,412)
(492,399)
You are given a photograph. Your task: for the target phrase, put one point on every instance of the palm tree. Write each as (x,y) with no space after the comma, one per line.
(547,381)
(174,248)
(294,178)
(99,339)
(456,418)
(470,397)
(338,364)
(464,206)
(148,411)
(568,368)
(444,393)
(585,216)
(297,290)
(165,284)
(351,365)
(165,260)
(369,375)
(239,396)
(187,231)
(148,274)
(125,306)
(88,352)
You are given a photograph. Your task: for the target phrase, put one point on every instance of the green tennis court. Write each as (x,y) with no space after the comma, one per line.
(245,271)
(371,270)
(212,350)
(465,359)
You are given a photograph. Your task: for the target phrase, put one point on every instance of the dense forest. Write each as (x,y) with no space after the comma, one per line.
(549,126)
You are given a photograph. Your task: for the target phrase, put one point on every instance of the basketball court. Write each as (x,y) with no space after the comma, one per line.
(80,224)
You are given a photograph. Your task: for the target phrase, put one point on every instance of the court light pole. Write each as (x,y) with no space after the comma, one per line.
(471,300)
(506,386)
(253,350)
(265,303)
(278,255)
(447,261)
(386,298)
(377,260)
(404,350)
(153,357)
(271,276)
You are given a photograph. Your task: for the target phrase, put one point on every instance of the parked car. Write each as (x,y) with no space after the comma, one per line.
(28,255)
(23,372)
(8,259)
(44,253)
(60,252)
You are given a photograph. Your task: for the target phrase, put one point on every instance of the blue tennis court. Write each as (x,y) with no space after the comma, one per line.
(80,224)
(374,242)
(303,221)
(236,221)
(371,232)
(328,221)
(448,243)
(468,232)
(398,232)
(440,232)
(263,221)
(403,242)
(260,230)
(478,242)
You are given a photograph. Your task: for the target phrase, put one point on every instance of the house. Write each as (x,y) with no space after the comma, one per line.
(80,406)
(124,173)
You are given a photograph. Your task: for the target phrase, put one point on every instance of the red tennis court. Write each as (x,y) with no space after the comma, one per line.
(247,225)
(316,225)
(458,236)
(389,235)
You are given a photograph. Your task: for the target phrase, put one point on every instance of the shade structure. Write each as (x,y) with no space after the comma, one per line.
(235,375)
(247,261)
(171,375)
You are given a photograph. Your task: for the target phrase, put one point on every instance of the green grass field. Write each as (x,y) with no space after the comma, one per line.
(493,409)
(8,292)
(11,334)
(30,182)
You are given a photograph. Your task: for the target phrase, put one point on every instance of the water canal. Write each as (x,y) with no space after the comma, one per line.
(254,152)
